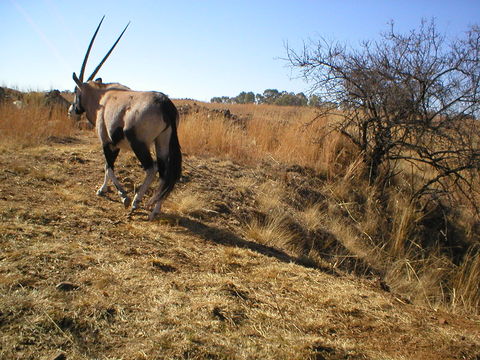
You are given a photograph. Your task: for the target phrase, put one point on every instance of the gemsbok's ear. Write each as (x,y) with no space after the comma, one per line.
(77,80)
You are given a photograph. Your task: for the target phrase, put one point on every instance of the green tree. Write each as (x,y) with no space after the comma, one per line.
(270,96)
(245,98)
(314,100)
(220,99)
(302,99)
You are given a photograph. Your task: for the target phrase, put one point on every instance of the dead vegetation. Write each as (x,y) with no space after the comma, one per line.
(257,255)
(36,118)
(419,248)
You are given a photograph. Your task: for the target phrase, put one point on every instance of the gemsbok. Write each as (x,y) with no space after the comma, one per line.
(133,120)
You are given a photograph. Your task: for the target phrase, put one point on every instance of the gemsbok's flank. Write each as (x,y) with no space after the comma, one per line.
(133,120)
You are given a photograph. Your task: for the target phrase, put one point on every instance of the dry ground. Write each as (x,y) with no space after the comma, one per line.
(80,279)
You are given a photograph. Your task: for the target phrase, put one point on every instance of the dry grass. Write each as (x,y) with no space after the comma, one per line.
(81,278)
(352,215)
(263,133)
(388,234)
(247,262)
(312,217)
(272,232)
(18,129)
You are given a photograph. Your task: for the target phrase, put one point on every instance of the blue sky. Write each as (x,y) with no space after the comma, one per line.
(195,49)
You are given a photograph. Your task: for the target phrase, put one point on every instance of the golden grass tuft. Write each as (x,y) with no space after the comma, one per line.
(466,290)
(270,197)
(272,232)
(312,217)
(405,219)
(187,202)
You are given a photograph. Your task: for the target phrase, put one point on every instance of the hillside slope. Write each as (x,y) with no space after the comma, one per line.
(81,279)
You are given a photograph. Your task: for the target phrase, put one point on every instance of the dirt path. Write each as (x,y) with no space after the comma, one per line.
(79,277)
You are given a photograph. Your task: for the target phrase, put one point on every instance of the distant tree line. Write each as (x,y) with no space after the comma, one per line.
(270,96)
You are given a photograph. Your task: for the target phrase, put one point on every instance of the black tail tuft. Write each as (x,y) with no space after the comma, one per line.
(173,169)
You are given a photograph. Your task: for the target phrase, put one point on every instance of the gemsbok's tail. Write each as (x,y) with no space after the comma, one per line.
(173,169)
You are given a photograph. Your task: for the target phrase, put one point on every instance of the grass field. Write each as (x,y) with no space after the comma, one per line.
(271,247)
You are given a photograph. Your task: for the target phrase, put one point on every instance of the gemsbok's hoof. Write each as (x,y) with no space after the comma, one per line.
(126,201)
(135,205)
(156,210)
(152,216)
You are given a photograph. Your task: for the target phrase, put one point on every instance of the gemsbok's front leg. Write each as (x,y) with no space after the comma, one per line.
(110,157)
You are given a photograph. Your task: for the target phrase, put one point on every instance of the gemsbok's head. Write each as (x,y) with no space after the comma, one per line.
(76,109)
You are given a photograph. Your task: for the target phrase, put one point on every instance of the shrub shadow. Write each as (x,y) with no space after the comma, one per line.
(228,238)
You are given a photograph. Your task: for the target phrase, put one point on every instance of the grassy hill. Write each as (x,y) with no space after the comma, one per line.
(268,249)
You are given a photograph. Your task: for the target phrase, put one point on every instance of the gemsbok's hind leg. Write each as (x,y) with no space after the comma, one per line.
(142,152)
(110,157)
(156,200)
(149,177)
(161,149)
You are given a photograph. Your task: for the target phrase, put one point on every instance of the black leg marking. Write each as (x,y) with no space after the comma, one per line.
(162,167)
(110,155)
(117,136)
(140,149)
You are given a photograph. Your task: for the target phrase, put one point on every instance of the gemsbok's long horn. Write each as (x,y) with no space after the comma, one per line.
(82,71)
(108,54)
